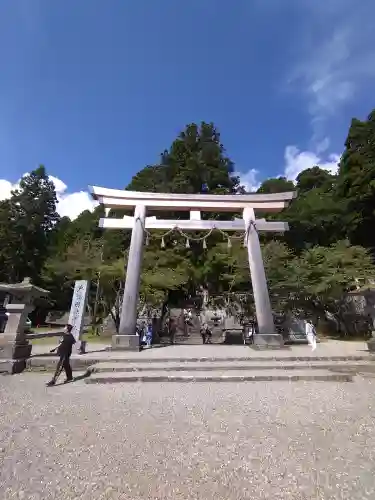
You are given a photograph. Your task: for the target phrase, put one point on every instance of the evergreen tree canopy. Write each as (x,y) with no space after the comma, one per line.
(276,185)
(356,181)
(195,163)
(314,178)
(31,216)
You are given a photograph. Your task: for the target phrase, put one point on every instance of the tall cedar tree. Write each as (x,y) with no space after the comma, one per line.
(276,185)
(356,181)
(195,163)
(26,224)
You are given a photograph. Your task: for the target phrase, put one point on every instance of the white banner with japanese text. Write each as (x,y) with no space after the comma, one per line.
(78,307)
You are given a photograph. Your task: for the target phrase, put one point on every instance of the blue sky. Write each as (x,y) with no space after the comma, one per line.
(96,89)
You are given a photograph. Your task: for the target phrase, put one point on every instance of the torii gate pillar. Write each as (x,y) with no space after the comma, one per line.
(267,335)
(126,338)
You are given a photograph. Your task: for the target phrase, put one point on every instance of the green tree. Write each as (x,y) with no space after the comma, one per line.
(80,261)
(196,162)
(227,274)
(315,178)
(276,185)
(164,271)
(151,179)
(84,259)
(10,254)
(315,218)
(356,181)
(279,265)
(323,276)
(27,220)
(86,228)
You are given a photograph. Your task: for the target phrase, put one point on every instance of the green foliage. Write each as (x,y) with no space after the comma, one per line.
(195,163)
(323,275)
(26,226)
(164,271)
(315,218)
(10,259)
(356,181)
(314,178)
(278,264)
(81,260)
(225,270)
(276,185)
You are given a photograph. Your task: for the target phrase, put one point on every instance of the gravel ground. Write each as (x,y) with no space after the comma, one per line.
(192,441)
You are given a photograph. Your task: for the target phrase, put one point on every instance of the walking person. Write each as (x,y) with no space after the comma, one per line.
(206,334)
(203,333)
(172,328)
(248,333)
(310,334)
(149,335)
(143,333)
(64,351)
(251,332)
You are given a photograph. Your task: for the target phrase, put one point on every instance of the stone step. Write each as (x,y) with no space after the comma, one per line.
(220,376)
(85,361)
(108,367)
(192,340)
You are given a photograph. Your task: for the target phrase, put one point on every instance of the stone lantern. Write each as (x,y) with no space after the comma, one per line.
(19,303)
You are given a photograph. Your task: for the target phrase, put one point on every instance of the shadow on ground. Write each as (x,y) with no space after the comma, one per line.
(75,379)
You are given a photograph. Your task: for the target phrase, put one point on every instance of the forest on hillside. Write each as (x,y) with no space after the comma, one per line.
(328,250)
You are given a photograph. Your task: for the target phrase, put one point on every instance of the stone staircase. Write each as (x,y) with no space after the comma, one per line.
(189,333)
(221,370)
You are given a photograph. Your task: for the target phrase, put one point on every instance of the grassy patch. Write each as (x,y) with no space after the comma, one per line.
(44,329)
(96,339)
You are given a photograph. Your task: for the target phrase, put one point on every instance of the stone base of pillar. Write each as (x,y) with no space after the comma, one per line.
(125,343)
(14,354)
(12,366)
(268,341)
(371,345)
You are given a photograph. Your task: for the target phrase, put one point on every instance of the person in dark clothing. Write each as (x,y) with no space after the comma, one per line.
(172,328)
(206,334)
(64,351)
(203,334)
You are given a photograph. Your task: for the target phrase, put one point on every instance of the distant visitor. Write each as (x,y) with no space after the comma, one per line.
(311,334)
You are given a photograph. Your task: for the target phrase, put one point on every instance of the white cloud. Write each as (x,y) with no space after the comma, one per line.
(249,180)
(325,78)
(336,57)
(69,204)
(5,189)
(296,161)
(323,145)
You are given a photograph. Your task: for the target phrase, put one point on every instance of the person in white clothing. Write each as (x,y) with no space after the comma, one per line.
(310,334)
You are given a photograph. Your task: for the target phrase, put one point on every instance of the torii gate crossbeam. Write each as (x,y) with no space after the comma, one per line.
(248,204)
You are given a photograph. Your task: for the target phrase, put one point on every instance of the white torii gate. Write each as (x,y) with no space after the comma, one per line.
(195,204)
